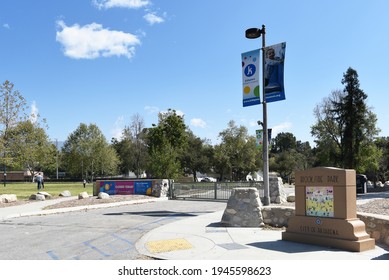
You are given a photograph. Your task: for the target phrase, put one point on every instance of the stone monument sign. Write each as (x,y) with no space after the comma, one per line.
(326,211)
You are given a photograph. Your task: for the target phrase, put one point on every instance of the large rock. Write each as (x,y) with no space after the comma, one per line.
(46,194)
(243,208)
(103,195)
(83,195)
(65,193)
(37,196)
(291,198)
(8,198)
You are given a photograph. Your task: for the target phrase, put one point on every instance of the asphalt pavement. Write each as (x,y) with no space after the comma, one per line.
(202,237)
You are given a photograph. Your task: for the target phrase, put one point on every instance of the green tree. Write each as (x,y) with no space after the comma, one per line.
(284,141)
(87,153)
(197,156)
(353,114)
(288,155)
(345,127)
(12,107)
(30,147)
(382,172)
(236,155)
(166,143)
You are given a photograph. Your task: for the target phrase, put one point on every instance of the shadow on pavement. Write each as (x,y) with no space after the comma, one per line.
(382,257)
(157,213)
(289,247)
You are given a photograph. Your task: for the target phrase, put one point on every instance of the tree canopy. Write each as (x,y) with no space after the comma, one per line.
(346,127)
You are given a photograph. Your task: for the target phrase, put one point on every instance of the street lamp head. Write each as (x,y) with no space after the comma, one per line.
(253,33)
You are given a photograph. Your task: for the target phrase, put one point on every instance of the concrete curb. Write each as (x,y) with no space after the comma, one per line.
(78,208)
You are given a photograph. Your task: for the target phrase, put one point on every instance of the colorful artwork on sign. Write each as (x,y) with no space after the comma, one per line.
(250,77)
(319,201)
(126,187)
(143,187)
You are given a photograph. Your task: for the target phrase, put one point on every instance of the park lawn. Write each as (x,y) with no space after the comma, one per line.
(25,190)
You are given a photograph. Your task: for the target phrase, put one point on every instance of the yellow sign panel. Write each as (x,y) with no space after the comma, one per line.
(319,201)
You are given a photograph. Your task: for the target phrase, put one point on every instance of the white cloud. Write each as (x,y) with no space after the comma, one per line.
(92,41)
(283,127)
(34,112)
(198,123)
(6,25)
(117,130)
(131,4)
(152,18)
(151,109)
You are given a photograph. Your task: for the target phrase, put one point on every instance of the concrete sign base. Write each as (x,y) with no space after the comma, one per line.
(326,211)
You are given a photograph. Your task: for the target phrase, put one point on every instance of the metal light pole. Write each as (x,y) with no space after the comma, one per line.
(254,33)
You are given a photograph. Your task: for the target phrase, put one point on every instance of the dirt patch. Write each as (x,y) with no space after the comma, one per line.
(95,201)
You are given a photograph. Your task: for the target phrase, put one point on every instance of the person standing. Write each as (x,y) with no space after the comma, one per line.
(84,183)
(39,180)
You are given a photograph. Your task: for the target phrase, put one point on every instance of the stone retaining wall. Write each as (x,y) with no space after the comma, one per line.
(377,226)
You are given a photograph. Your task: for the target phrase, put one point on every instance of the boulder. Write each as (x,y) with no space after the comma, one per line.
(7,198)
(103,195)
(46,194)
(37,196)
(243,208)
(83,195)
(291,198)
(65,193)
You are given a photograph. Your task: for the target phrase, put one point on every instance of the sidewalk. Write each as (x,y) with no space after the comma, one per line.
(203,238)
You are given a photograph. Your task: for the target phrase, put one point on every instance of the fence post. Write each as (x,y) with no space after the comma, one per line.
(215,189)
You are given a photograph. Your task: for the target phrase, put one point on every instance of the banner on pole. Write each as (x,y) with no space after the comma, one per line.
(250,74)
(259,137)
(274,72)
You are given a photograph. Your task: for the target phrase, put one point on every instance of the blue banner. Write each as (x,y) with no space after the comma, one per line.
(274,72)
(142,187)
(250,74)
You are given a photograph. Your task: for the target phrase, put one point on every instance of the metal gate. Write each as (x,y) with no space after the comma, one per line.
(211,190)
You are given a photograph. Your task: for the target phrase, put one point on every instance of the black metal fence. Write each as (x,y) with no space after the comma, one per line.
(211,190)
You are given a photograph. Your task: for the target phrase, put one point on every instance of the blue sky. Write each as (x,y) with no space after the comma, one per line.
(103,61)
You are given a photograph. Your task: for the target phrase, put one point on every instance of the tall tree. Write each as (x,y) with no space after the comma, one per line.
(288,155)
(30,147)
(12,105)
(352,113)
(166,143)
(345,127)
(197,156)
(136,132)
(236,154)
(284,141)
(132,148)
(87,153)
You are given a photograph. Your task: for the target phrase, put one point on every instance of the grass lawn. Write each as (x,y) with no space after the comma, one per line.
(24,190)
